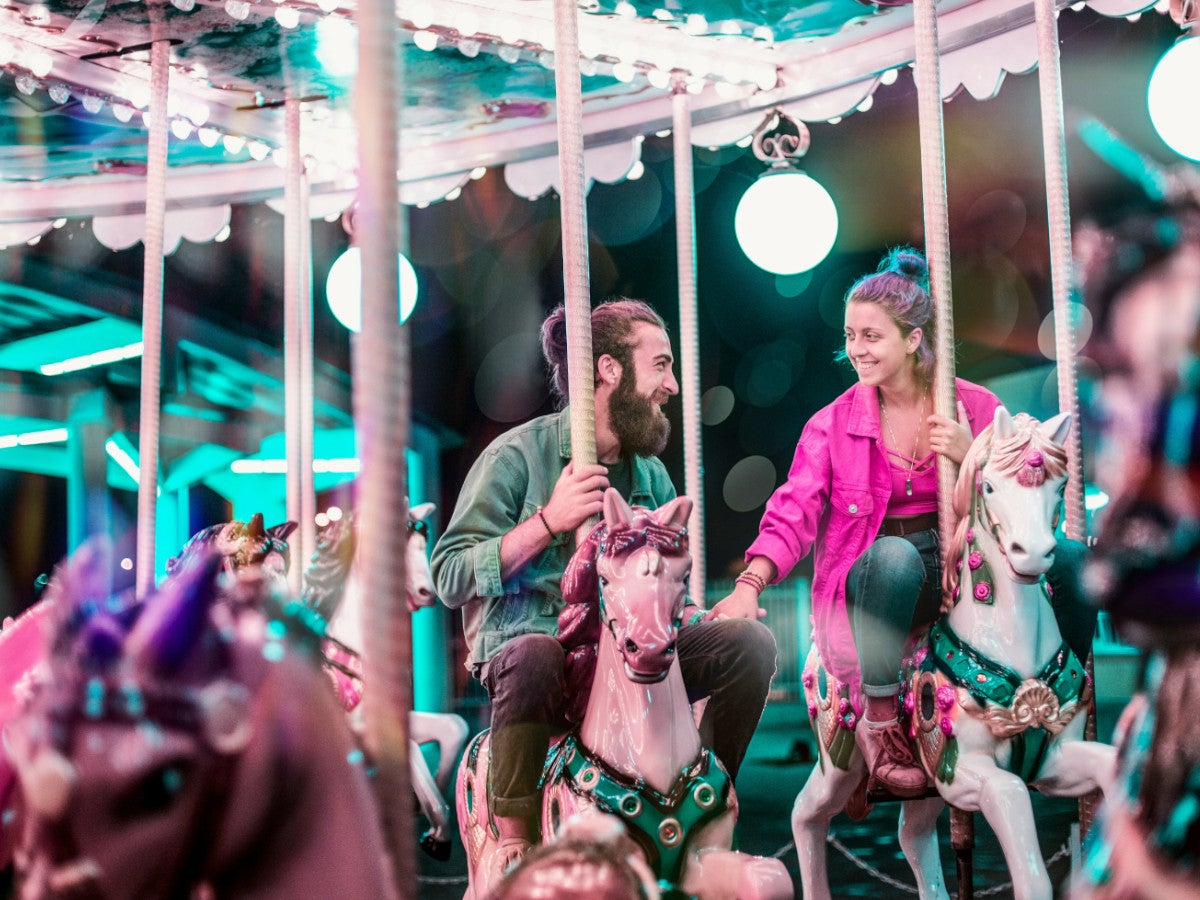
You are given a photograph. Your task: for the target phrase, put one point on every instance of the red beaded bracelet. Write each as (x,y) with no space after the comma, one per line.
(753,579)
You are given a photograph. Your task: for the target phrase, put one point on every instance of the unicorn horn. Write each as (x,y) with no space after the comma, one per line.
(255,527)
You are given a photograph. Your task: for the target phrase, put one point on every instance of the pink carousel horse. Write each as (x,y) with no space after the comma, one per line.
(996,701)
(333,588)
(186,747)
(23,641)
(637,753)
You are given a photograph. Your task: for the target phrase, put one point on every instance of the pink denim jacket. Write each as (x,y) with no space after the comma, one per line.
(838,508)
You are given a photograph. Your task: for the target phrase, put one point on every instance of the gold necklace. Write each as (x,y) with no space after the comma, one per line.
(912,460)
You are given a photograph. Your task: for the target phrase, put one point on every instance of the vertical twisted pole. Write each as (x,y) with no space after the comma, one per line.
(573,212)
(689,332)
(152,315)
(928,77)
(381,413)
(1054,145)
(298,351)
(306,536)
(1058,217)
(927,74)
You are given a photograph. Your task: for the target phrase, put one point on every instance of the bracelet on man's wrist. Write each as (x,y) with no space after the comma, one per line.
(550,531)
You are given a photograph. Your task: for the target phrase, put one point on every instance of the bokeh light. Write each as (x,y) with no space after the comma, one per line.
(1171,97)
(510,384)
(749,483)
(716,405)
(343,288)
(1081,321)
(785,222)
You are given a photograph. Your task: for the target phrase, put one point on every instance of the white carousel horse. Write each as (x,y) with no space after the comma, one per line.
(637,753)
(187,747)
(996,702)
(340,597)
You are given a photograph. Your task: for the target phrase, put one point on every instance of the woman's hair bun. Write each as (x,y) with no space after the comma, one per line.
(907,262)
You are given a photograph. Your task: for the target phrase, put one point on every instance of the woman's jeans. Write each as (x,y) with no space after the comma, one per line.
(895,588)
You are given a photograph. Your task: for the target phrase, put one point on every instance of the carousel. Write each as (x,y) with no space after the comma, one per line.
(237,680)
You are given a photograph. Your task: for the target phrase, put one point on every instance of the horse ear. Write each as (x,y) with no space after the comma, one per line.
(421,511)
(675,513)
(1002,423)
(255,527)
(1057,428)
(173,619)
(283,530)
(616,510)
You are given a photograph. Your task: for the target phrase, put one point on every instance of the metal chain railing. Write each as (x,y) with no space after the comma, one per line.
(1062,853)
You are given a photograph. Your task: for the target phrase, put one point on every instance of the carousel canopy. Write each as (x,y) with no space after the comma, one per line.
(477,89)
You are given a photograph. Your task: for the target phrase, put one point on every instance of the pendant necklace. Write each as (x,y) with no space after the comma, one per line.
(912,460)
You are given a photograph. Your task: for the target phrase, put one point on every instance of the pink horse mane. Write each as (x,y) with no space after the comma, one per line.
(579,622)
(1027,454)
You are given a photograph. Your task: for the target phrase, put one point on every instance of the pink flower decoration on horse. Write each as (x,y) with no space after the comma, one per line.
(1033,473)
(983,591)
(945,697)
(975,560)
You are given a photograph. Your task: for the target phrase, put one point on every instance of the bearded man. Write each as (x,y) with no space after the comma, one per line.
(502,557)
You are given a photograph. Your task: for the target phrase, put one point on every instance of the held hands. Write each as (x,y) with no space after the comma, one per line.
(578,495)
(950,438)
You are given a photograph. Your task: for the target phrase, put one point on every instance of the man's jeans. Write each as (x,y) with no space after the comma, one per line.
(731,662)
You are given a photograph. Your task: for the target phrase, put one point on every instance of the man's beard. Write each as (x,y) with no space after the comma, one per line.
(637,421)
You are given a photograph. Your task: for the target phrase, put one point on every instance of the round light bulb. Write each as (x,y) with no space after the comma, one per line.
(786,223)
(343,288)
(1170,97)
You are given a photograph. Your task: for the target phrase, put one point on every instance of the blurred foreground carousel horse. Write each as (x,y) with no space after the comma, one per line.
(23,642)
(186,746)
(332,588)
(636,754)
(994,699)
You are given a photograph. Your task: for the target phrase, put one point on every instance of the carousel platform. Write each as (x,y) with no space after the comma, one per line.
(868,862)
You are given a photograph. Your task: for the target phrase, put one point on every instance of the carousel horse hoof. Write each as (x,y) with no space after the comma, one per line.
(437,847)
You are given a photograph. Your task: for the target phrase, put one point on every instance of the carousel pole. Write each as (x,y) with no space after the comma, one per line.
(928,77)
(152,316)
(298,349)
(1059,225)
(573,212)
(381,415)
(689,333)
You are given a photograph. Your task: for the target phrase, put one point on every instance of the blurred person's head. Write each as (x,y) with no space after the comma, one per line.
(1140,279)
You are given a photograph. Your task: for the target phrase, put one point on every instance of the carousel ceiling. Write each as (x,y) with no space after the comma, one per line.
(477,88)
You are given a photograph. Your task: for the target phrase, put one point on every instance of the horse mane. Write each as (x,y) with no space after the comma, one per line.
(1007,457)
(579,622)
(325,577)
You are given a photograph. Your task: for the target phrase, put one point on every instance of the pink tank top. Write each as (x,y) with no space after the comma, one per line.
(923,498)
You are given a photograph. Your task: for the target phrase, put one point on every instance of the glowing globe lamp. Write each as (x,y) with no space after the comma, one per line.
(1171,97)
(786,223)
(343,288)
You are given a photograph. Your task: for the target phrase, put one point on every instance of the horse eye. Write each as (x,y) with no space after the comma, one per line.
(603,581)
(987,488)
(154,792)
